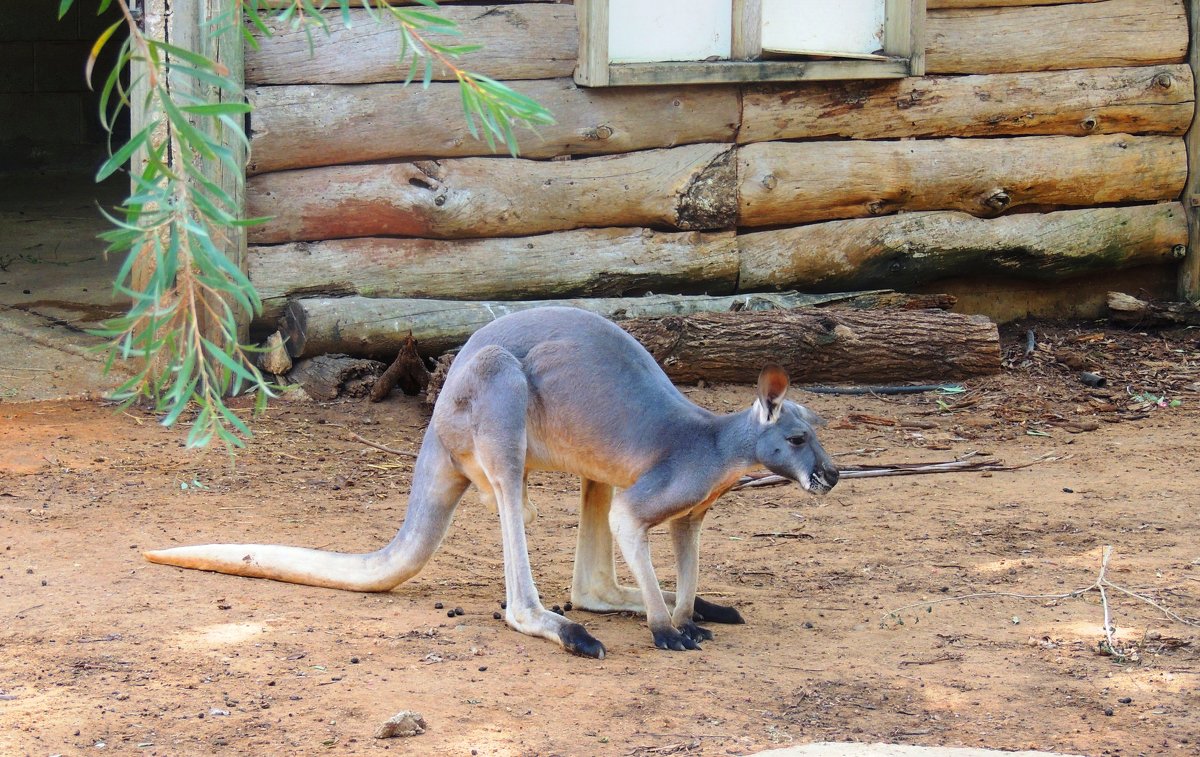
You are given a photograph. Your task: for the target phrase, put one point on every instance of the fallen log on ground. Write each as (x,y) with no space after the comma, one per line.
(377,327)
(327,377)
(821,345)
(1131,311)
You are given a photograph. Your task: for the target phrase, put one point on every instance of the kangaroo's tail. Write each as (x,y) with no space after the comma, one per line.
(436,489)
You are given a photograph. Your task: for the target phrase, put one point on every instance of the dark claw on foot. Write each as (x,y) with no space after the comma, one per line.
(576,640)
(671,638)
(714,613)
(695,632)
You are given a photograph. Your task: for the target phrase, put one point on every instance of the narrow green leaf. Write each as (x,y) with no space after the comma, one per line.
(121,156)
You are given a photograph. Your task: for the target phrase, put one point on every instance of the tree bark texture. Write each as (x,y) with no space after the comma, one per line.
(686,188)
(1137,100)
(1043,37)
(843,346)
(327,377)
(520,41)
(313,125)
(801,182)
(585,263)
(378,327)
(913,249)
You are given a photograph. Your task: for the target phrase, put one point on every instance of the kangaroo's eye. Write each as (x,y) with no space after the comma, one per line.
(798,440)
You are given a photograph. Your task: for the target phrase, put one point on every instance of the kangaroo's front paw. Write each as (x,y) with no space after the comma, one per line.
(710,612)
(672,638)
(695,632)
(576,640)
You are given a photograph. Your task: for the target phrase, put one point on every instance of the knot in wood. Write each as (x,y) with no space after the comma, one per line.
(998,200)
(1179,251)
(769,181)
(1090,123)
(1163,80)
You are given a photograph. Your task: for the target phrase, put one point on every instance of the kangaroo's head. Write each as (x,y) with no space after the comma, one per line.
(787,438)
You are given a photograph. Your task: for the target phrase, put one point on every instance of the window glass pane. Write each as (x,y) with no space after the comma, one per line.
(643,31)
(847,27)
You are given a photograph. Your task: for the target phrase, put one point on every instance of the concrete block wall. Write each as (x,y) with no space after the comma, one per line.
(48,116)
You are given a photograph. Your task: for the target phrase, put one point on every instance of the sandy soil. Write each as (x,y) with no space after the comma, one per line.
(101,650)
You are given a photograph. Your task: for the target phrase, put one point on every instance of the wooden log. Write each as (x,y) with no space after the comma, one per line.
(327,377)
(1188,277)
(799,182)
(407,370)
(940,4)
(1044,37)
(1131,311)
(378,327)
(843,346)
(521,41)
(313,125)
(689,187)
(912,249)
(584,263)
(1138,100)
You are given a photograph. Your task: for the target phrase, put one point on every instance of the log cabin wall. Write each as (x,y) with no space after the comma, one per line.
(1044,145)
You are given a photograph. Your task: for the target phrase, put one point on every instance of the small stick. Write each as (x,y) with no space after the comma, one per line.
(379,446)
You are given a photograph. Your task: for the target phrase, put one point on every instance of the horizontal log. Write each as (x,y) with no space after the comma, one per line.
(1131,311)
(520,41)
(913,249)
(1063,36)
(939,4)
(315,125)
(845,346)
(1132,100)
(799,182)
(378,327)
(688,188)
(586,263)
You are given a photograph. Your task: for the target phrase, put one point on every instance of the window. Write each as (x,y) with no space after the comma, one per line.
(636,42)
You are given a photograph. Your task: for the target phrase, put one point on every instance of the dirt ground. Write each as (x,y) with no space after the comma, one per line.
(100,650)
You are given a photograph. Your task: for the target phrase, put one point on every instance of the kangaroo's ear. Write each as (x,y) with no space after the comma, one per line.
(812,417)
(772,385)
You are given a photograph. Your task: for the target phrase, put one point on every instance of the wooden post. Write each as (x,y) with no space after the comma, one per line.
(185,24)
(592,70)
(747,29)
(1189,271)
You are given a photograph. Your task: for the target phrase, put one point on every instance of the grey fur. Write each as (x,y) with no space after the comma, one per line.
(563,389)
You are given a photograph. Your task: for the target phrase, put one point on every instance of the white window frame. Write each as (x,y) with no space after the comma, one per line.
(903,41)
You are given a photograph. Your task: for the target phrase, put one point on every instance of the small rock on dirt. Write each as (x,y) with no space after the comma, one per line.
(403,723)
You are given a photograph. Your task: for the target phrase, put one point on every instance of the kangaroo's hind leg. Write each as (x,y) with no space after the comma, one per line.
(594,585)
(487,423)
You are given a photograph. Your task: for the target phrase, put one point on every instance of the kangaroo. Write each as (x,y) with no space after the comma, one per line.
(563,389)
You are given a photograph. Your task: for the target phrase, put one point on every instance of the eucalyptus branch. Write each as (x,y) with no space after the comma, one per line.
(181,330)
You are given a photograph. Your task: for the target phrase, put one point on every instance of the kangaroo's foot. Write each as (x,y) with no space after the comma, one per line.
(629,599)
(694,632)
(538,621)
(711,612)
(675,639)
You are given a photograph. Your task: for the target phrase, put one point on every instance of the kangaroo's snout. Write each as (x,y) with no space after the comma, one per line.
(824,478)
